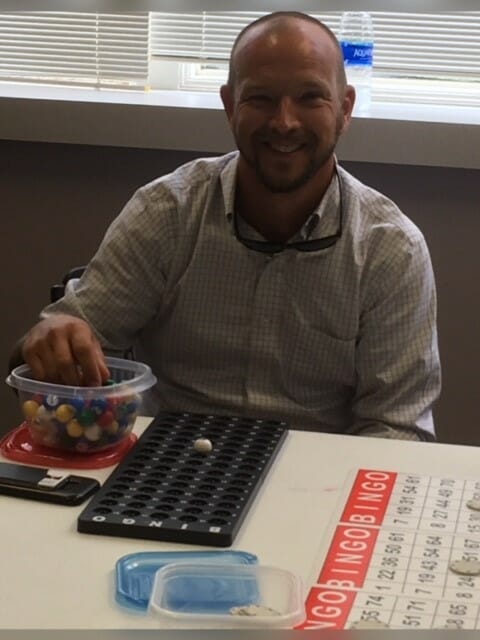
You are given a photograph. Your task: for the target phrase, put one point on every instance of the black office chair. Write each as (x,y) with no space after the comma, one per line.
(57,291)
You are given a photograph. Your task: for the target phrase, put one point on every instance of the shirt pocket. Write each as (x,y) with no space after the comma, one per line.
(318,369)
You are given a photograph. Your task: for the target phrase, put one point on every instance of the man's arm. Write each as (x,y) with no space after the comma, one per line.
(397,357)
(114,299)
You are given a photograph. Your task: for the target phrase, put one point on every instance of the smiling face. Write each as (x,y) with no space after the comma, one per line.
(287,105)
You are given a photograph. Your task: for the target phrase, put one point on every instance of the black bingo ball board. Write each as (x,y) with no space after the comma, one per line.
(165,490)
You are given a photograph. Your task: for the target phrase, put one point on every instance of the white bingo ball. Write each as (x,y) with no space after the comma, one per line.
(202,445)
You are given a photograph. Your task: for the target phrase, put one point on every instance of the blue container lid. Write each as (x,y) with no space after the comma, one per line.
(135,573)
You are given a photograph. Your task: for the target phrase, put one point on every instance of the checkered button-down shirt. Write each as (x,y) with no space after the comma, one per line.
(341,340)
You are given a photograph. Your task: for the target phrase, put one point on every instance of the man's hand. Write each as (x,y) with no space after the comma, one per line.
(63,349)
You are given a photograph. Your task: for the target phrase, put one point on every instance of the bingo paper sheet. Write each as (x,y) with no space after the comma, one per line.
(389,558)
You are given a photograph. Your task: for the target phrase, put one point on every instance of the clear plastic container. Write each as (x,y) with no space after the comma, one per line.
(207,596)
(83,419)
(135,572)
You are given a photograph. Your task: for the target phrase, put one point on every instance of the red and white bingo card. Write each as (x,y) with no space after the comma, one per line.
(388,561)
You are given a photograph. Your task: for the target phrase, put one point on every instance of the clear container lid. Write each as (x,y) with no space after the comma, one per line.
(135,572)
(128,377)
(227,596)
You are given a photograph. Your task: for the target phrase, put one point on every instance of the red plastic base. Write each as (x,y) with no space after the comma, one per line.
(17,445)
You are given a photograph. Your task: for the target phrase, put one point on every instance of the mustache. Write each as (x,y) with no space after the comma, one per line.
(295,138)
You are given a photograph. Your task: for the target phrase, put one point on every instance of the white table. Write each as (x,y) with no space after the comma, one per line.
(65,579)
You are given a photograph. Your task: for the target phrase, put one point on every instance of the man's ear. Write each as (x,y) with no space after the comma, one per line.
(348,103)
(226,94)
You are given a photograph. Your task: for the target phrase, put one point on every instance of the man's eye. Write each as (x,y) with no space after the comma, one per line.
(313,96)
(258,98)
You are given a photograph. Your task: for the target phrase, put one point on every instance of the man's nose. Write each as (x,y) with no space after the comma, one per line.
(284,117)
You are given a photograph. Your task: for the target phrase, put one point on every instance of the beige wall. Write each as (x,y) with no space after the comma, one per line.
(57,200)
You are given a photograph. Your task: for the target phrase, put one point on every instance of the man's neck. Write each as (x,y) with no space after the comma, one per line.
(278,216)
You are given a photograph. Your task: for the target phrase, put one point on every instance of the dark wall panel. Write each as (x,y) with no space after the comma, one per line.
(57,201)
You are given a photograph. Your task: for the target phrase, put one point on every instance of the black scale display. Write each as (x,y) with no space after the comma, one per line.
(165,489)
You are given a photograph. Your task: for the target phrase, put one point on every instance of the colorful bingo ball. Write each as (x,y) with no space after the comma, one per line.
(83,419)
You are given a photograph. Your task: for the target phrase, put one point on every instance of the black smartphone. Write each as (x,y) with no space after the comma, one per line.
(47,485)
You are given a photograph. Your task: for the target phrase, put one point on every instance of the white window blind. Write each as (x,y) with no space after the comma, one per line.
(120,50)
(415,46)
(86,49)
(197,36)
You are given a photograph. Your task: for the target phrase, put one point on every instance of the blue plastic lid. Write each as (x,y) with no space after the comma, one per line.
(135,573)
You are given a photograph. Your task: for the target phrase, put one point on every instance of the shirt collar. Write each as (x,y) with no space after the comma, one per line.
(327,207)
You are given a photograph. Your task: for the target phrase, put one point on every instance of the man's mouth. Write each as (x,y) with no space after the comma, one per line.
(284,147)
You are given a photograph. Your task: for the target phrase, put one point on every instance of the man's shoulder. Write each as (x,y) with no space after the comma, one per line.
(373,210)
(188,177)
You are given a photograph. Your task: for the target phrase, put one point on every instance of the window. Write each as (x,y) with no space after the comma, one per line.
(429,57)
(82,49)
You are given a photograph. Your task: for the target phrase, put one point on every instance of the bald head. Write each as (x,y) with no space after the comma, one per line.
(272,27)
(287,103)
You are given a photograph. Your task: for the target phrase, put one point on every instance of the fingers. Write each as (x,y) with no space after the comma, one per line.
(36,367)
(64,365)
(88,354)
(103,368)
(63,349)
(40,357)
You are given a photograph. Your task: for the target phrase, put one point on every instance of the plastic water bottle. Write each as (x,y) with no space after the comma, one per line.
(357,41)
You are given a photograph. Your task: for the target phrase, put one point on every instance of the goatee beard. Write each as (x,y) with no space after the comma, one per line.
(284,185)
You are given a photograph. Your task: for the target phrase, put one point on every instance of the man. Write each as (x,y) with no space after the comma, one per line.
(268,282)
